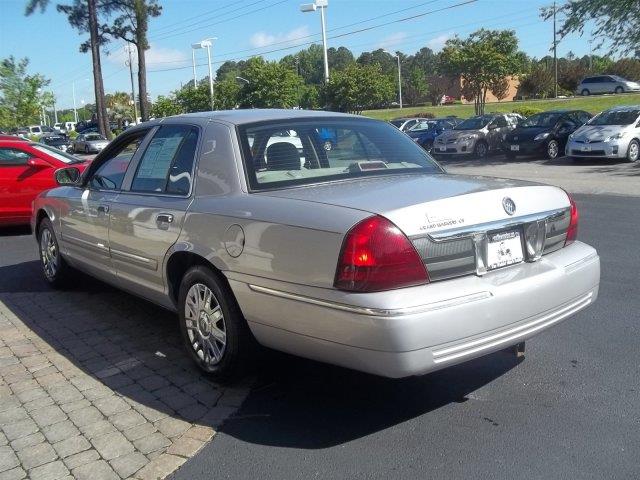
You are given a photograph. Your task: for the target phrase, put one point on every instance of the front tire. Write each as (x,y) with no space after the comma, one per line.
(619,90)
(553,149)
(481,150)
(214,331)
(86,149)
(54,267)
(633,151)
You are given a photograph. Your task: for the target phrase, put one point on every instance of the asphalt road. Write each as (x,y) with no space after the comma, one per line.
(571,409)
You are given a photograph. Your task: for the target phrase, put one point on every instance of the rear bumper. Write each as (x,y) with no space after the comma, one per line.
(421,329)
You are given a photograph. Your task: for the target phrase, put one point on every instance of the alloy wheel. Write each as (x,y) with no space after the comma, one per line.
(634,151)
(481,150)
(552,149)
(48,253)
(205,324)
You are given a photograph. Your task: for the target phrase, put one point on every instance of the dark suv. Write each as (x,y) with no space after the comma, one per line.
(544,133)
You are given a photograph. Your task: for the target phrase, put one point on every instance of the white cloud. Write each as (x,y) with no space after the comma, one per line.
(264,39)
(438,42)
(154,56)
(393,40)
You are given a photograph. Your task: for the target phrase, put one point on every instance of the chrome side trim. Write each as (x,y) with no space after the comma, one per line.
(130,257)
(510,335)
(482,228)
(78,242)
(375,312)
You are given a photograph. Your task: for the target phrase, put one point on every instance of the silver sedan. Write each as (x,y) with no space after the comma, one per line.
(89,143)
(614,133)
(368,255)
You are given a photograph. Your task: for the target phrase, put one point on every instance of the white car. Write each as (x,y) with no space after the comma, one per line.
(614,133)
(606,84)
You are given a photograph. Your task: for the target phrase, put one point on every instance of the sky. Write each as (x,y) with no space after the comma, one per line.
(253,27)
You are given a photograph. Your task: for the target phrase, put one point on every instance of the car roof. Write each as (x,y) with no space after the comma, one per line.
(624,108)
(252,115)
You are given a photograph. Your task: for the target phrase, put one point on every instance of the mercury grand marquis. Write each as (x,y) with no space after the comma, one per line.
(366,254)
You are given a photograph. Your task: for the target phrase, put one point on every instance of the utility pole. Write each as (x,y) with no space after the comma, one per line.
(133,90)
(75,109)
(555,52)
(55,110)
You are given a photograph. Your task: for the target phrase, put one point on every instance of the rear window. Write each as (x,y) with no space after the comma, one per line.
(616,117)
(301,152)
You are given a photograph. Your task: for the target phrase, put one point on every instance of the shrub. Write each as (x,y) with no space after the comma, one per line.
(72,134)
(527,111)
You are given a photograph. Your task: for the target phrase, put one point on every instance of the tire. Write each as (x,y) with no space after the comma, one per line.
(86,149)
(585,92)
(619,90)
(217,338)
(428,147)
(54,267)
(633,151)
(553,149)
(481,150)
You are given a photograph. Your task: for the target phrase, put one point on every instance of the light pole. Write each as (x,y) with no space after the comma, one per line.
(193,61)
(206,43)
(75,109)
(312,7)
(129,63)
(397,57)
(244,80)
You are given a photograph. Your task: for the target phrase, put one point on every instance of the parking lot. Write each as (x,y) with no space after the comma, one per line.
(95,384)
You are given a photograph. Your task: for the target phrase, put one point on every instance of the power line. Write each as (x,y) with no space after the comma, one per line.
(342,34)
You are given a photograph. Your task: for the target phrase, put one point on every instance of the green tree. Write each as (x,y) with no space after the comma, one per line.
(358,87)
(415,87)
(165,107)
(119,107)
(131,25)
(339,58)
(616,22)
(628,68)
(538,83)
(380,57)
(21,95)
(310,97)
(194,99)
(226,94)
(271,85)
(482,61)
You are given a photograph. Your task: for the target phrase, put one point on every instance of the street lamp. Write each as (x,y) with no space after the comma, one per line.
(206,43)
(312,7)
(397,56)
(244,80)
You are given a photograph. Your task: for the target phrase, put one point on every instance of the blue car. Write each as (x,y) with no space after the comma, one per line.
(425,132)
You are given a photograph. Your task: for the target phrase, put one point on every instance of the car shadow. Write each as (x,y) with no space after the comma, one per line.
(134,348)
(15,231)
(298,403)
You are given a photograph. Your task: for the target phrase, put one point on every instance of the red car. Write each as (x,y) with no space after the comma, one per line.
(26,169)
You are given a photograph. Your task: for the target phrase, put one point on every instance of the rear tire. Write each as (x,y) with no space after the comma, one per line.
(619,90)
(633,151)
(585,92)
(214,332)
(54,267)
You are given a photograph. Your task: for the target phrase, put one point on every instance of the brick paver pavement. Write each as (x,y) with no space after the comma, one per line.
(94,384)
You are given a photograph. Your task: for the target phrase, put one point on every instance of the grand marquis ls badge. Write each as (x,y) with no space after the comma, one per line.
(509,205)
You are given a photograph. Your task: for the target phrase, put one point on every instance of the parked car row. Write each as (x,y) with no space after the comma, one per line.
(614,133)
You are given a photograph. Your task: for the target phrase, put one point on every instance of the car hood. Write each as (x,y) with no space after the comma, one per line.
(455,134)
(597,133)
(529,133)
(425,203)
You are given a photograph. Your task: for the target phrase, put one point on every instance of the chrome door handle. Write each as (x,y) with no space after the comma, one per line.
(164,218)
(103,209)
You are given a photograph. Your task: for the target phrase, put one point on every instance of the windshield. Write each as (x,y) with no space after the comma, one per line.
(57,154)
(424,125)
(613,117)
(321,150)
(94,136)
(474,123)
(541,120)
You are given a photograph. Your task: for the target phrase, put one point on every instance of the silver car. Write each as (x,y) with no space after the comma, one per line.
(368,255)
(614,133)
(89,143)
(606,84)
(477,136)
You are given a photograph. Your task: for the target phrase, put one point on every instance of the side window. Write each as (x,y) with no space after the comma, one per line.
(167,163)
(501,122)
(13,156)
(110,174)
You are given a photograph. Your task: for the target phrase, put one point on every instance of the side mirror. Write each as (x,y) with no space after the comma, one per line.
(37,163)
(67,176)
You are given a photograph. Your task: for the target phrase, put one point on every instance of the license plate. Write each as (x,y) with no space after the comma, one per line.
(442,149)
(585,148)
(504,249)
(515,148)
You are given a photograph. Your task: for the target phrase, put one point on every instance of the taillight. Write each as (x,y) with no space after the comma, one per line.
(376,256)
(572,231)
